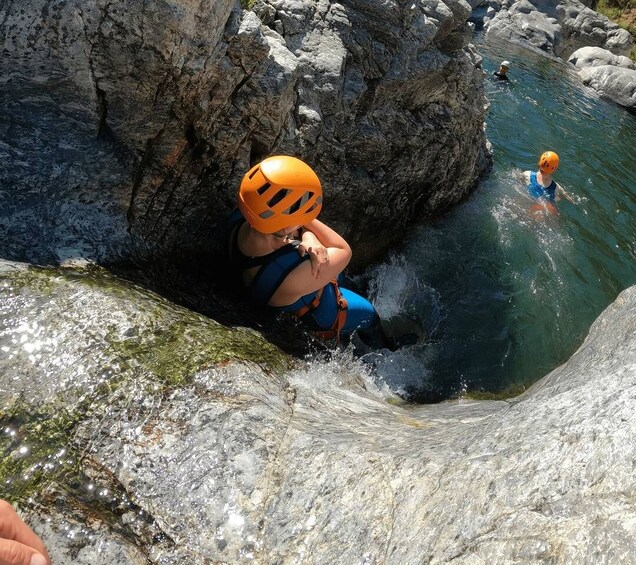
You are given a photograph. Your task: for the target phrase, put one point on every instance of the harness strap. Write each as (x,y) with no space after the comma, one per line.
(273,270)
(311,306)
(341,316)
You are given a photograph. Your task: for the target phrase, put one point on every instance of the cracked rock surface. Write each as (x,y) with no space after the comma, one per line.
(127,125)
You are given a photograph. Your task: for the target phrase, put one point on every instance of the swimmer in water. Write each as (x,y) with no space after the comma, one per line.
(503,69)
(541,185)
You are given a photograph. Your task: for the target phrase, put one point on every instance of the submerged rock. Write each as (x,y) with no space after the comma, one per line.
(235,461)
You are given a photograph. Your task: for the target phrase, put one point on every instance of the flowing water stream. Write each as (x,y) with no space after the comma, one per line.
(509,296)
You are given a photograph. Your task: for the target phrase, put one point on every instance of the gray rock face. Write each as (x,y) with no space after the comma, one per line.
(234,462)
(558,27)
(522,22)
(583,27)
(127,125)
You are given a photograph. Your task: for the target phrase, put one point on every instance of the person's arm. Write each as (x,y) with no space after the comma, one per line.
(18,544)
(318,253)
(306,278)
(561,193)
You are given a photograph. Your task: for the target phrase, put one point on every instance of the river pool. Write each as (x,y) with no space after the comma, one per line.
(509,296)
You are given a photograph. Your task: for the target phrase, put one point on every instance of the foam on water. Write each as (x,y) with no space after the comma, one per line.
(405,303)
(392,284)
(403,372)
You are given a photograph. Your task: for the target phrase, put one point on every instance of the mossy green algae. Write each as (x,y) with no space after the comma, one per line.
(34,449)
(509,392)
(163,342)
(170,341)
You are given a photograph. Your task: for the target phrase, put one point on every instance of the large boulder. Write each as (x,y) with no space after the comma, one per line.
(137,432)
(616,83)
(613,76)
(522,22)
(583,27)
(128,125)
(596,57)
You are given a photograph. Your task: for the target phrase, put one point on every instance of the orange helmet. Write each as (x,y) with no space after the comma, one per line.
(548,162)
(278,193)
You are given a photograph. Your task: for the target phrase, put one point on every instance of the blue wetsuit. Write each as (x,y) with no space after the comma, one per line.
(360,312)
(275,266)
(536,190)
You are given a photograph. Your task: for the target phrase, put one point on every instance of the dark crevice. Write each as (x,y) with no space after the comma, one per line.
(196,144)
(367,98)
(103,129)
(174,183)
(161,88)
(139,175)
(258,152)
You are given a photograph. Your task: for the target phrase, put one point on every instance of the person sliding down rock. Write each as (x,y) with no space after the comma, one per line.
(286,258)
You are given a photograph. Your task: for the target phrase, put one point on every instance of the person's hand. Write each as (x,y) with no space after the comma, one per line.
(561,193)
(318,253)
(18,544)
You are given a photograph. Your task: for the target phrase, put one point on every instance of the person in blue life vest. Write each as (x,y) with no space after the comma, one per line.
(541,185)
(286,258)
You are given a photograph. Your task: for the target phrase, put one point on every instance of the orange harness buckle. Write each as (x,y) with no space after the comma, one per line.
(341,316)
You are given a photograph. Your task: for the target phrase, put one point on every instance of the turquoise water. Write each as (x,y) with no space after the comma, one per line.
(512,296)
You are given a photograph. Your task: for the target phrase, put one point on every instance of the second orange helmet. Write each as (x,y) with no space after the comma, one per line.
(548,162)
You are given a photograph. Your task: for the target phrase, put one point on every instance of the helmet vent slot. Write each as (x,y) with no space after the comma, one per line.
(282,193)
(315,205)
(293,208)
(254,171)
(299,203)
(263,188)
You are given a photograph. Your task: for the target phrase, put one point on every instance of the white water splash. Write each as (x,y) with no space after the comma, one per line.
(406,304)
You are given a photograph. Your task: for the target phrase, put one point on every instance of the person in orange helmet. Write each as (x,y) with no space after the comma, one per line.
(287,259)
(541,185)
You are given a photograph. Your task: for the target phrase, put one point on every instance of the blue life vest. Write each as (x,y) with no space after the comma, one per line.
(536,190)
(274,267)
(326,310)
